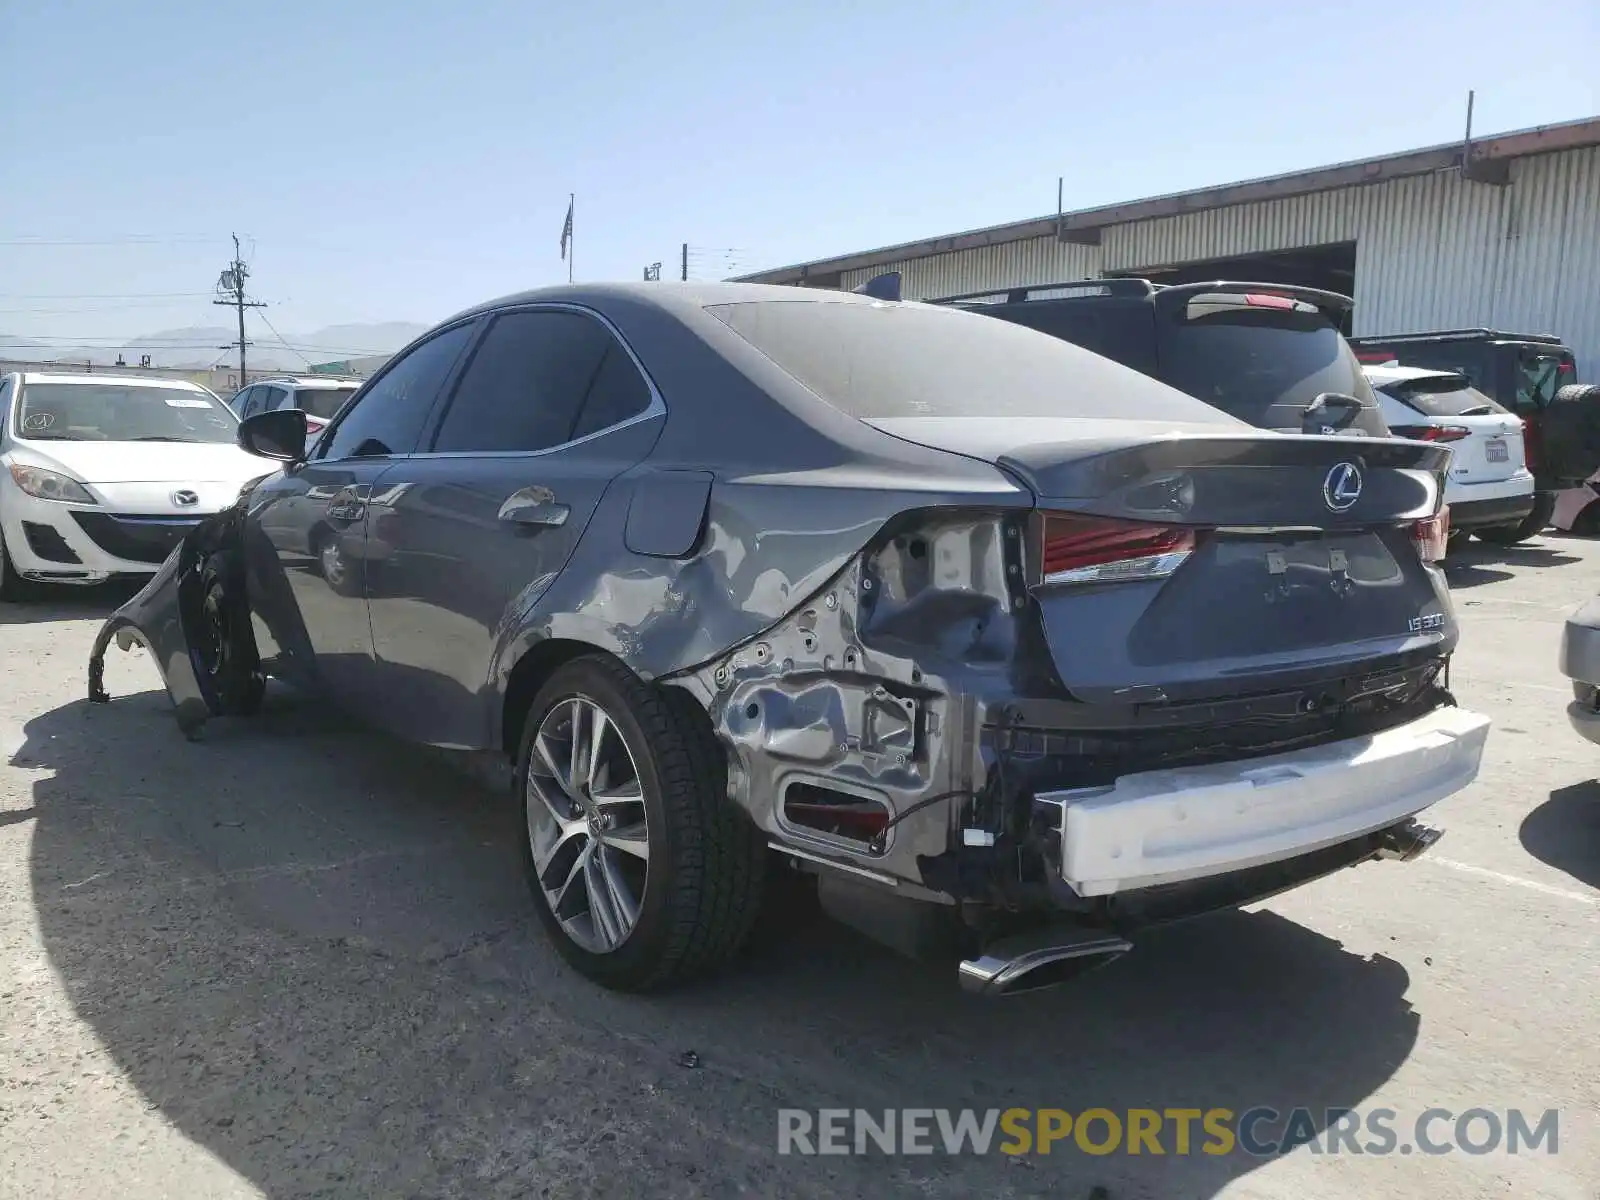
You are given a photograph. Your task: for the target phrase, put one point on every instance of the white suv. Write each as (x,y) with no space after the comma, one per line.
(1489,485)
(319,397)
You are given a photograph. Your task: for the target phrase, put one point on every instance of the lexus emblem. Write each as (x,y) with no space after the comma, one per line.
(1342,487)
(184,498)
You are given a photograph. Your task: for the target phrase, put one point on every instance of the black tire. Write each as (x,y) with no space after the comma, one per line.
(703,885)
(14,589)
(226,655)
(1544,505)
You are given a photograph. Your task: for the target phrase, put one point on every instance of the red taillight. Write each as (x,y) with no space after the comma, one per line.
(1267,300)
(1430,433)
(315,424)
(1532,445)
(1095,550)
(1432,535)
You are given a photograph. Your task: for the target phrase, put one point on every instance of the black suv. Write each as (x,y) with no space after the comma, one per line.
(1523,372)
(1267,353)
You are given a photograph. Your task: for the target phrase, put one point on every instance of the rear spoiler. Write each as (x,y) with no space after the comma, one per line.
(881,287)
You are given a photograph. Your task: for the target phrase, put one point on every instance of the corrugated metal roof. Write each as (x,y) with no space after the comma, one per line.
(1086,225)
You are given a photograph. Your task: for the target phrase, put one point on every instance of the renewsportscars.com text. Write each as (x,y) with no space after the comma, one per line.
(1260,1132)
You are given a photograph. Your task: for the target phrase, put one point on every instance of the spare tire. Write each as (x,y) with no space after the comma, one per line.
(1569,434)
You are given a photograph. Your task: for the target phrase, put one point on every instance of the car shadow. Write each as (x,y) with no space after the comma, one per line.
(312,951)
(1564,831)
(68,603)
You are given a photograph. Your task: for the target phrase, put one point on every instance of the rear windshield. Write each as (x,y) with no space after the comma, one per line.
(881,360)
(322,402)
(1262,365)
(110,412)
(1443,396)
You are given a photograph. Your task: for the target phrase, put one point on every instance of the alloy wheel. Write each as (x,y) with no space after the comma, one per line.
(587,824)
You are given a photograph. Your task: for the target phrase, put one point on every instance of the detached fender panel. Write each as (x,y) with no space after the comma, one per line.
(164,617)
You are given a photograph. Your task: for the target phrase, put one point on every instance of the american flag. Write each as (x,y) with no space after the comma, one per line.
(566,228)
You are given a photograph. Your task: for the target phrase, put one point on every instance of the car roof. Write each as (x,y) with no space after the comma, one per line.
(1383,376)
(671,296)
(108,377)
(313,381)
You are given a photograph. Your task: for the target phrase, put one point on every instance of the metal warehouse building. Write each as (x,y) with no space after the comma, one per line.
(1501,232)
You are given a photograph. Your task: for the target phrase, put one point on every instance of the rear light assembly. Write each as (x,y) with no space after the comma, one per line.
(1432,535)
(1078,550)
(315,424)
(1430,433)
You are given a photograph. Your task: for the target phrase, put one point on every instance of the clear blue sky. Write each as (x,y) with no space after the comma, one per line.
(399,161)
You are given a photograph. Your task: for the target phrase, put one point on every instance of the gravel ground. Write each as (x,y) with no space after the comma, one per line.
(296,959)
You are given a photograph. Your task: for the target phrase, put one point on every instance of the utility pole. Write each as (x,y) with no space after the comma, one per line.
(686,262)
(230,291)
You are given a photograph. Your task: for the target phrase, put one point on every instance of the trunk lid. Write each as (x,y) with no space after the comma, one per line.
(1182,567)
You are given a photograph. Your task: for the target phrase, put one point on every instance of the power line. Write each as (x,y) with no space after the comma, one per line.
(281,341)
(103,295)
(134,239)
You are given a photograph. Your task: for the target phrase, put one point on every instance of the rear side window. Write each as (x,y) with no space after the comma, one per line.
(882,360)
(526,383)
(618,393)
(1442,396)
(1262,365)
(389,418)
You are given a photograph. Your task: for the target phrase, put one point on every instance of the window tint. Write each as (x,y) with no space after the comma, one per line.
(322,402)
(618,393)
(273,397)
(1262,365)
(876,360)
(1443,396)
(388,418)
(526,383)
(244,403)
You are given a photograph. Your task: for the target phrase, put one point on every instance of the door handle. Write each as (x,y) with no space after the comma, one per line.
(534,506)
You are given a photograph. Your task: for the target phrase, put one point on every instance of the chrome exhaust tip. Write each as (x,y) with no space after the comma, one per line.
(1407,840)
(1031,962)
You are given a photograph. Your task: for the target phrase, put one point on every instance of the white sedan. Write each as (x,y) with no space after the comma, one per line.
(101,475)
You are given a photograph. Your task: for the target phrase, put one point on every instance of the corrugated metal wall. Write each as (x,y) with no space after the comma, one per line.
(1432,252)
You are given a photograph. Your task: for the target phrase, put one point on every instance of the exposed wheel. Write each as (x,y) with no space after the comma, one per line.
(642,870)
(13,587)
(1509,535)
(223,648)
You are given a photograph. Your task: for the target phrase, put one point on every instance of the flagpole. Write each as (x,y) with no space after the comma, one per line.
(572,238)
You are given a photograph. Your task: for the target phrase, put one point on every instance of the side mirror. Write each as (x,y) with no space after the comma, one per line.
(279,433)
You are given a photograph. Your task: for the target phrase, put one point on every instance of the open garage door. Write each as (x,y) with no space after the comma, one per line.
(1332,268)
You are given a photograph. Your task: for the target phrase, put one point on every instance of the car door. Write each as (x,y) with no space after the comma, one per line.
(306,529)
(464,537)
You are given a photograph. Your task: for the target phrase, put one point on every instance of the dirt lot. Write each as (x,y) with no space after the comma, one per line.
(297,960)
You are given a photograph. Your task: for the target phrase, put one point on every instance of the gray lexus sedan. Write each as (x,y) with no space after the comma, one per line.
(1009,650)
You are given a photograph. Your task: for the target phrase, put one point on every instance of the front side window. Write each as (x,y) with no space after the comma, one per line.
(526,383)
(389,418)
(113,412)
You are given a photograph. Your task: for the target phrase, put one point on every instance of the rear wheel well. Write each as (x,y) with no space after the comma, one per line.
(527,677)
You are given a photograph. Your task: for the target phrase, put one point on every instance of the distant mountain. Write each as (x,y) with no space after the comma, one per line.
(201,345)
